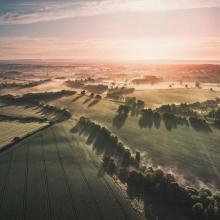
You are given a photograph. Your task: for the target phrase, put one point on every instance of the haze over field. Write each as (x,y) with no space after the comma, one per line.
(110,109)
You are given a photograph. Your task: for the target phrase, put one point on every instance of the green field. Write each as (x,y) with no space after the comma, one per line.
(20,111)
(54,175)
(10,130)
(194,156)
(157,97)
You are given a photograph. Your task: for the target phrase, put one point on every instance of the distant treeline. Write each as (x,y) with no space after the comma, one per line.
(38,99)
(190,109)
(147,80)
(118,92)
(83,84)
(35,98)
(22,119)
(170,114)
(22,85)
(142,181)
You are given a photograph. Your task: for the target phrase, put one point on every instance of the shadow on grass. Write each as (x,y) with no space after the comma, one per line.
(76,98)
(94,102)
(87,100)
(119,121)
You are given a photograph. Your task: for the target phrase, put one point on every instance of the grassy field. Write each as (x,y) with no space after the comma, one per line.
(194,156)
(12,129)
(54,175)
(157,97)
(58,177)
(20,111)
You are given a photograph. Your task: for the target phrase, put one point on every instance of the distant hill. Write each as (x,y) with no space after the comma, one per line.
(11,73)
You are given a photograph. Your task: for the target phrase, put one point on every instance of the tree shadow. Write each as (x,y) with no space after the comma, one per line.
(87,100)
(76,98)
(200,125)
(147,119)
(119,120)
(172,122)
(94,102)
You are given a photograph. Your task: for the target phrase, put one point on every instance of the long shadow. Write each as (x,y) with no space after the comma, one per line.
(94,102)
(78,97)
(147,119)
(2,106)
(87,100)
(146,122)
(200,125)
(119,120)
(172,122)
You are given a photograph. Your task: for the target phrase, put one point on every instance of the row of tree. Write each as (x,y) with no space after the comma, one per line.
(7,85)
(104,142)
(61,114)
(191,109)
(35,98)
(150,118)
(199,204)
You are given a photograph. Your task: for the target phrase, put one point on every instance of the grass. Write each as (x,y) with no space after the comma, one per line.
(194,156)
(20,111)
(52,175)
(157,97)
(10,130)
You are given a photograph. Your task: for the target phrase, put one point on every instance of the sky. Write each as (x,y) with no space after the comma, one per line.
(117,30)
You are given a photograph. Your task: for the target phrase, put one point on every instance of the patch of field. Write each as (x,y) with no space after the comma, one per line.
(20,111)
(157,97)
(51,86)
(10,130)
(194,156)
(54,175)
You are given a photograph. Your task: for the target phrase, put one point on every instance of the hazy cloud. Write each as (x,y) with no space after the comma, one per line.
(27,11)
(126,49)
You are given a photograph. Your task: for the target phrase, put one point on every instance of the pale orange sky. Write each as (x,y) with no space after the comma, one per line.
(110,29)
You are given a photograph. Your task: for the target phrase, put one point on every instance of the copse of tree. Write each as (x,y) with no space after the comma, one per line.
(36,98)
(140,104)
(96,88)
(134,106)
(123,110)
(117,92)
(61,114)
(23,85)
(83,92)
(98,97)
(198,204)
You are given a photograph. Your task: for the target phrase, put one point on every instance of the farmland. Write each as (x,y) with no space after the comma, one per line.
(172,150)
(53,174)
(59,174)
(10,130)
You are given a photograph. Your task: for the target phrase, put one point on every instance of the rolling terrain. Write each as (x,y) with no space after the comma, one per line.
(172,150)
(53,175)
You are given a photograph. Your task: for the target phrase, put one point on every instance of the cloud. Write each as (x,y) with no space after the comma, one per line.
(121,49)
(26,12)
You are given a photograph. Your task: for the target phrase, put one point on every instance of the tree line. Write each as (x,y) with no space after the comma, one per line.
(149,117)
(142,181)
